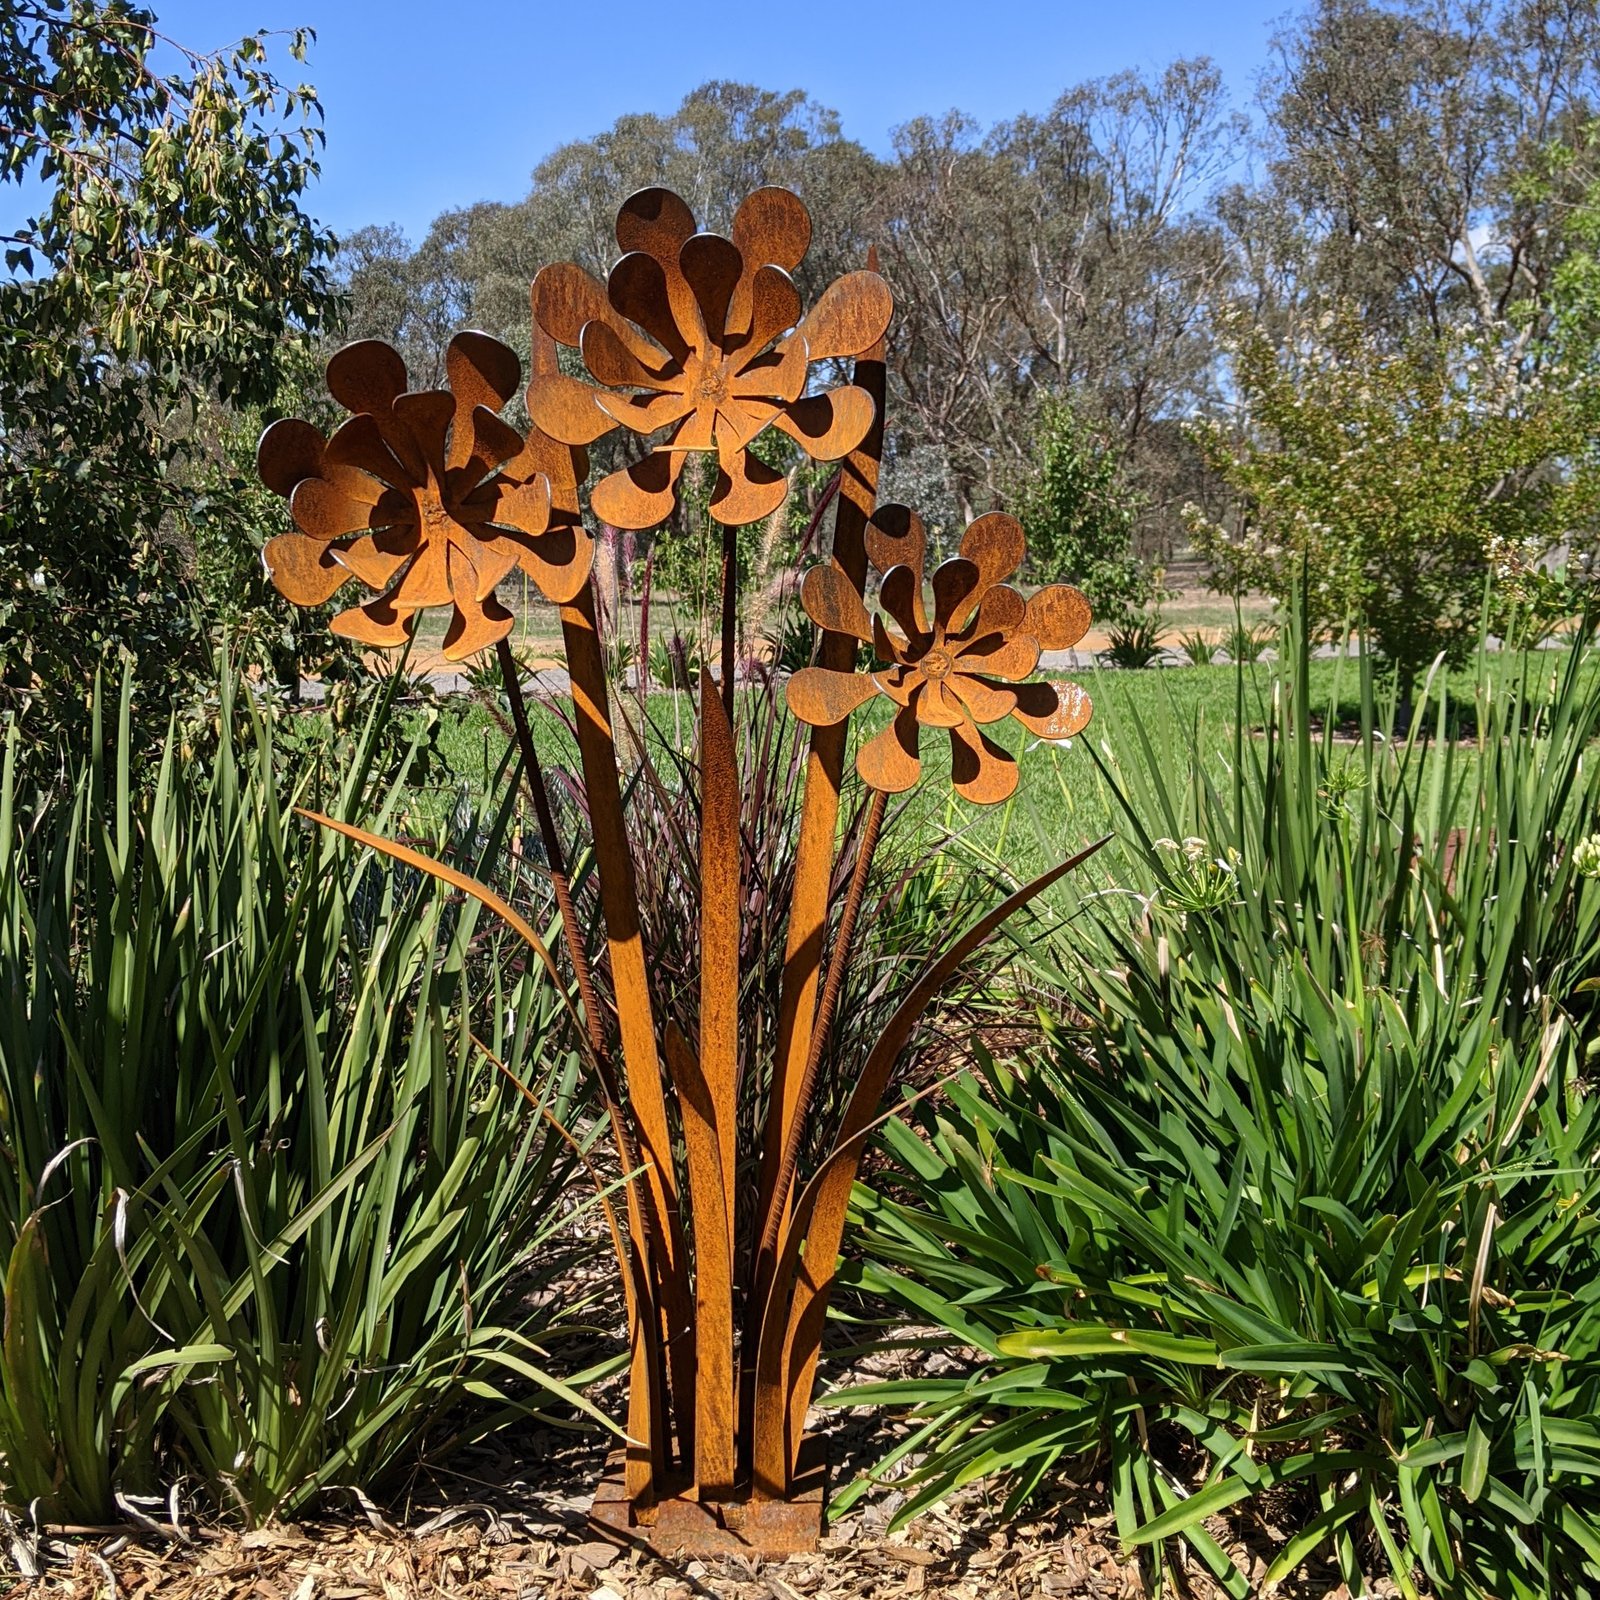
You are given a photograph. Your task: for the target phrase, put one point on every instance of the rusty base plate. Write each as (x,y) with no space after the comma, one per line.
(675,1525)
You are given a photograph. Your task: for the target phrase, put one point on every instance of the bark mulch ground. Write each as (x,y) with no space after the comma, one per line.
(507,1521)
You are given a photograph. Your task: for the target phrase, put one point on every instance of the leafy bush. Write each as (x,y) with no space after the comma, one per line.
(1080,513)
(1246,642)
(167,272)
(1197,647)
(1136,642)
(1297,1214)
(1376,479)
(273,1218)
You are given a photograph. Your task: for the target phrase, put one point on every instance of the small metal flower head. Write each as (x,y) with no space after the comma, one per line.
(964,669)
(704,336)
(426,497)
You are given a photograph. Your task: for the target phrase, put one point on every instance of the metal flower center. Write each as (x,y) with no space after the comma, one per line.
(712,387)
(435,519)
(937,664)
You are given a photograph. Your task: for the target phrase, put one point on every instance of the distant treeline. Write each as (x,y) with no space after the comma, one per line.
(1397,159)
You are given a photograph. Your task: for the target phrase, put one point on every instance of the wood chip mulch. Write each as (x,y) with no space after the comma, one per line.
(481,1553)
(508,1521)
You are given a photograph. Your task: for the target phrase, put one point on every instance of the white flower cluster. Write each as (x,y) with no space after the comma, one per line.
(1586,856)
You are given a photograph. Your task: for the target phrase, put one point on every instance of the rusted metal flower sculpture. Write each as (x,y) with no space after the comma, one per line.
(705,336)
(966,669)
(695,342)
(427,497)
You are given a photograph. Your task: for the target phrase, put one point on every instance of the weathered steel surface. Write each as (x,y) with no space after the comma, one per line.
(819,812)
(707,1087)
(631,988)
(411,498)
(681,1524)
(693,342)
(705,336)
(838,961)
(791,1338)
(961,670)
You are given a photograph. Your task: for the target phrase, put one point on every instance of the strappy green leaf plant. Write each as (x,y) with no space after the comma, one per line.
(1297,1219)
(272,1220)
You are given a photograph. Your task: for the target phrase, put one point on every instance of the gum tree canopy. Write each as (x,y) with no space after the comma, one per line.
(156,256)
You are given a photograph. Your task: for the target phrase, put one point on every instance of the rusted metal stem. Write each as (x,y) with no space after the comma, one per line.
(554,855)
(730,613)
(838,960)
(640,1059)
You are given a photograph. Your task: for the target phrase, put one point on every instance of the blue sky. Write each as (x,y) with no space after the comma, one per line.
(437,103)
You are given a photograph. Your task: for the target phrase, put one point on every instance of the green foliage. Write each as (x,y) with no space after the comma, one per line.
(272,1220)
(1135,642)
(229,514)
(1079,514)
(1198,647)
(170,267)
(1297,1214)
(1383,479)
(1246,641)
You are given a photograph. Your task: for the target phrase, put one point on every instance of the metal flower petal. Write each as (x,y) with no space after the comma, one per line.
(966,670)
(707,336)
(428,497)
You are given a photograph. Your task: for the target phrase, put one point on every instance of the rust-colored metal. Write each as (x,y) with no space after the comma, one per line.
(819,824)
(680,1523)
(961,671)
(668,1254)
(791,1338)
(705,336)
(695,341)
(409,497)
(707,1100)
(837,962)
(649,1393)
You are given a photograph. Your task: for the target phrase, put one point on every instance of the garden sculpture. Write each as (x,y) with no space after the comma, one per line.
(695,342)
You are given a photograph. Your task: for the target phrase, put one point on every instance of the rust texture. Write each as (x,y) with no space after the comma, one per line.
(694,342)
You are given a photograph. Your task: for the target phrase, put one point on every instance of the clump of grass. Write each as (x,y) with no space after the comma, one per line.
(1297,1209)
(274,1219)
(1248,642)
(1197,647)
(1135,642)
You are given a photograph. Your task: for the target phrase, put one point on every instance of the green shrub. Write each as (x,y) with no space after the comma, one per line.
(1297,1214)
(272,1218)
(1248,642)
(1080,513)
(1137,641)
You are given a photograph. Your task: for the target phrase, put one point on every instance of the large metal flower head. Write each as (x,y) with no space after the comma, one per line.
(426,497)
(704,336)
(963,669)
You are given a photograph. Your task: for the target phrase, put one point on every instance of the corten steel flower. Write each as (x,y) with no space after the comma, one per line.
(696,342)
(705,336)
(427,497)
(964,670)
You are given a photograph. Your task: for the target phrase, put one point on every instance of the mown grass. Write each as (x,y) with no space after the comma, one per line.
(1064,797)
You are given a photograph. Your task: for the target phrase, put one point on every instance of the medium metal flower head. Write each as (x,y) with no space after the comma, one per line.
(426,497)
(962,670)
(705,336)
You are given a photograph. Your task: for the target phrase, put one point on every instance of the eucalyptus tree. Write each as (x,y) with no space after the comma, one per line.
(1400,140)
(1069,251)
(167,266)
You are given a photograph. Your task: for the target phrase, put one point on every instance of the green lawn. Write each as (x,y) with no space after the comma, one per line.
(1064,798)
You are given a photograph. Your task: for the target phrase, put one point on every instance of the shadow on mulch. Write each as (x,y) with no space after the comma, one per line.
(507,1520)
